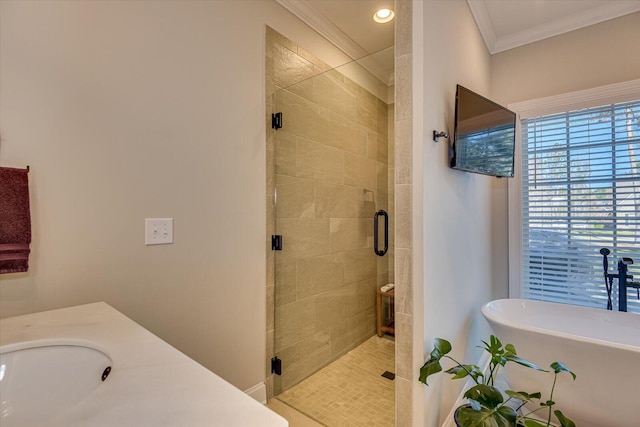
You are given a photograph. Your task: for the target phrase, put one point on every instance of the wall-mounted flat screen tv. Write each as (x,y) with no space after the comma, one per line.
(484,137)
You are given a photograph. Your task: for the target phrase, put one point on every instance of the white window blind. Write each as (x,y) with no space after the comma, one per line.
(580,192)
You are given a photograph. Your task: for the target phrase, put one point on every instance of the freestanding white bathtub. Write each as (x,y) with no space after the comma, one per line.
(92,366)
(602,348)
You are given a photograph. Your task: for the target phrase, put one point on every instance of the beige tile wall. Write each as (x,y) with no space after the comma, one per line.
(329,167)
(403,152)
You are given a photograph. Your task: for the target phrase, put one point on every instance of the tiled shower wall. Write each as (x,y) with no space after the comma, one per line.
(408,400)
(329,166)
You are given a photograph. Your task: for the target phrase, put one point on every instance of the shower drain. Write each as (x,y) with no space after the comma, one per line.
(389,375)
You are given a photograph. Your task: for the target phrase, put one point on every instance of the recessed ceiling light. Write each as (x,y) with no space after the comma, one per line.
(383,16)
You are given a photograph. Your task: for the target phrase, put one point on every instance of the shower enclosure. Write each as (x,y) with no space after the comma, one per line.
(332,172)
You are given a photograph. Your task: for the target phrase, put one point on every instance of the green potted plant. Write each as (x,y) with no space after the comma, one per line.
(487,405)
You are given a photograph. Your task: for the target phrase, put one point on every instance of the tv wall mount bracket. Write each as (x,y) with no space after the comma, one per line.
(437,134)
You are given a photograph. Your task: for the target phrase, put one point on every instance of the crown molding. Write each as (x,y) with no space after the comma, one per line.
(310,16)
(483,21)
(602,13)
(495,44)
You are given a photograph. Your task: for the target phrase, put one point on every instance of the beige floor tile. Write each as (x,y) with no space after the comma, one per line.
(295,418)
(351,390)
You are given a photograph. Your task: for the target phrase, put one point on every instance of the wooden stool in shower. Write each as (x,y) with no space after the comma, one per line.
(385,325)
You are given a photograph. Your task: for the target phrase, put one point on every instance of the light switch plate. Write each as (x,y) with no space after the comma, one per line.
(158,231)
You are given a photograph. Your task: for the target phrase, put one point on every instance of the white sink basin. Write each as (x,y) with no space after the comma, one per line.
(53,363)
(36,383)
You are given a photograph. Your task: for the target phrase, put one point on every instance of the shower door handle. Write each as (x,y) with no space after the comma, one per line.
(376,220)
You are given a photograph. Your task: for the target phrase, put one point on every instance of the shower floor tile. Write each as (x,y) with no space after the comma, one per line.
(350,391)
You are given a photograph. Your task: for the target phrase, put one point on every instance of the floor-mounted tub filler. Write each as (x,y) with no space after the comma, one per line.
(602,347)
(90,365)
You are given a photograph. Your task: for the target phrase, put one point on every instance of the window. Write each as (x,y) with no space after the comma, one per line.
(579,192)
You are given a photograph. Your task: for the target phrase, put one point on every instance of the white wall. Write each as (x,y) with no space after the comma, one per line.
(594,56)
(127,110)
(458,276)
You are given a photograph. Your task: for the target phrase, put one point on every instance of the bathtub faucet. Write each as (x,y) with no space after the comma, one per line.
(625,280)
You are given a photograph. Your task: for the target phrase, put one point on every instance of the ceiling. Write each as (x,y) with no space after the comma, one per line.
(504,24)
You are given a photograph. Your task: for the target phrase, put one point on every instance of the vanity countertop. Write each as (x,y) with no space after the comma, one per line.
(151,382)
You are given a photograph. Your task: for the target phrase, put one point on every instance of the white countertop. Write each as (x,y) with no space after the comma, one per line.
(151,383)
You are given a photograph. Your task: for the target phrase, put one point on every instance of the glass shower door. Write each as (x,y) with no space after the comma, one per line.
(332,166)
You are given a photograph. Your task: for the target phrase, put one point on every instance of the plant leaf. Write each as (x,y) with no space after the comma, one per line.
(485,417)
(495,341)
(495,346)
(462,371)
(523,395)
(561,367)
(508,413)
(486,395)
(564,421)
(441,346)
(523,362)
(433,366)
(534,423)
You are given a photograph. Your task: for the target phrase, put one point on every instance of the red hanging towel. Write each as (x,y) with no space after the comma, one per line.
(15,220)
